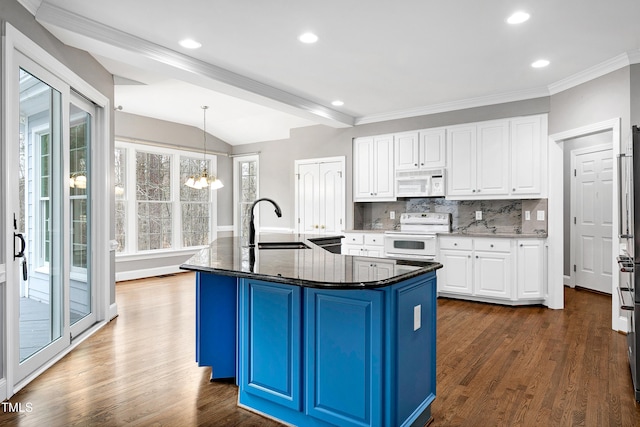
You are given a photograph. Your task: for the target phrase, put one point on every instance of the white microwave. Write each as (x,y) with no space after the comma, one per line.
(423,183)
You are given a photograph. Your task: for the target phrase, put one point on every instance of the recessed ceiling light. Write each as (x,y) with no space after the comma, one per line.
(190,44)
(337,103)
(518,17)
(540,63)
(308,38)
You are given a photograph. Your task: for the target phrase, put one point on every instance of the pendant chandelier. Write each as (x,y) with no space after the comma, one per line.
(204,180)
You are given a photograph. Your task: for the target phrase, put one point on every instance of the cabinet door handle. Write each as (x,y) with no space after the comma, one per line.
(478,190)
(513,189)
(455,244)
(473,191)
(492,245)
(476,256)
(415,164)
(521,245)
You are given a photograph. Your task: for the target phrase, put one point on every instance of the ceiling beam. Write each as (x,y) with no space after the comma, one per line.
(49,15)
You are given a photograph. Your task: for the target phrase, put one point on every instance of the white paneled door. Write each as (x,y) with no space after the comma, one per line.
(593,175)
(320,195)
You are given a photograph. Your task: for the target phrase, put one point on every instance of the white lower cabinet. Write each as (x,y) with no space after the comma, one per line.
(368,270)
(457,274)
(363,244)
(492,270)
(531,269)
(501,270)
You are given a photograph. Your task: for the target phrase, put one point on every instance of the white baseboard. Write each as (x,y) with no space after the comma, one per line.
(566,280)
(113,311)
(148,272)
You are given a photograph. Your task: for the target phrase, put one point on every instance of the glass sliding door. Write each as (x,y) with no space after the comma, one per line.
(81,295)
(38,243)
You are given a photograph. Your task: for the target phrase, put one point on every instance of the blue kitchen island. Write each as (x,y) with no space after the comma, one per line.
(314,338)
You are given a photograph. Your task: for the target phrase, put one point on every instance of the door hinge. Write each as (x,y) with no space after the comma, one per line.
(574,220)
(574,268)
(575,172)
(340,221)
(340,174)
(298,220)
(298,175)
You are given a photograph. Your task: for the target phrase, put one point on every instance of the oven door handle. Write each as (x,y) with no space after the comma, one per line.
(410,257)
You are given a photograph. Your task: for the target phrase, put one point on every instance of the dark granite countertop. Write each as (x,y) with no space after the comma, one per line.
(312,267)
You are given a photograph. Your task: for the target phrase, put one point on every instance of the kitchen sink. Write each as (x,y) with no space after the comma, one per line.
(282,245)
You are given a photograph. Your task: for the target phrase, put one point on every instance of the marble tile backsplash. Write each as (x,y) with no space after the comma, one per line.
(498,216)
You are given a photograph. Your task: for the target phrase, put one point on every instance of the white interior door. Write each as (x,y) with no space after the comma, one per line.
(308,195)
(593,198)
(320,192)
(331,200)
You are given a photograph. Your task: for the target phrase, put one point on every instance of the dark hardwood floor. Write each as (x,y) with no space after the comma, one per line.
(497,366)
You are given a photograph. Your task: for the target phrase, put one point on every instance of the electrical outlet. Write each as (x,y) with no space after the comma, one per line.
(392,214)
(527,215)
(540,216)
(478,215)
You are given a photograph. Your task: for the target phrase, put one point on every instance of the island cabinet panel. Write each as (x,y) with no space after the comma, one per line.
(271,361)
(216,314)
(344,369)
(413,338)
(319,357)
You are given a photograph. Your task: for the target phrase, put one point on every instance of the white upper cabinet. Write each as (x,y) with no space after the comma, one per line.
(423,149)
(526,155)
(497,159)
(432,148)
(492,155)
(461,161)
(478,159)
(373,175)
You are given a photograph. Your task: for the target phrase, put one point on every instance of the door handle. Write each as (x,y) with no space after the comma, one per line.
(23,245)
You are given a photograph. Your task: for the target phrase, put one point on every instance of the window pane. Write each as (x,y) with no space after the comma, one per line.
(195,224)
(189,167)
(153,176)
(195,204)
(248,192)
(120,168)
(121,226)
(79,232)
(120,165)
(154,226)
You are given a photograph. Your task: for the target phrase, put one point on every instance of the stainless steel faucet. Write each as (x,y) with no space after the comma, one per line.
(252,227)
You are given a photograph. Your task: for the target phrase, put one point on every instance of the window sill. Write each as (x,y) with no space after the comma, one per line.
(158,254)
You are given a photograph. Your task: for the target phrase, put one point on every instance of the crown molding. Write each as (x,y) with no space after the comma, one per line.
(48,14)
(591,73)
(455,105)
(634,56)
(31,5)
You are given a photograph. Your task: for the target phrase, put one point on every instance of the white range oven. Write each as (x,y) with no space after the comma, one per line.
(416,238)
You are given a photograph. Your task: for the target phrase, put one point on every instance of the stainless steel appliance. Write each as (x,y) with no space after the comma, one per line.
(420,183)
(629,259)
(417,236)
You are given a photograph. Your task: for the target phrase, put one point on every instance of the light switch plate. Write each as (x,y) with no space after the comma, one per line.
(392,215)
(478,215)
(540,215)
(527,215)
(416,317)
